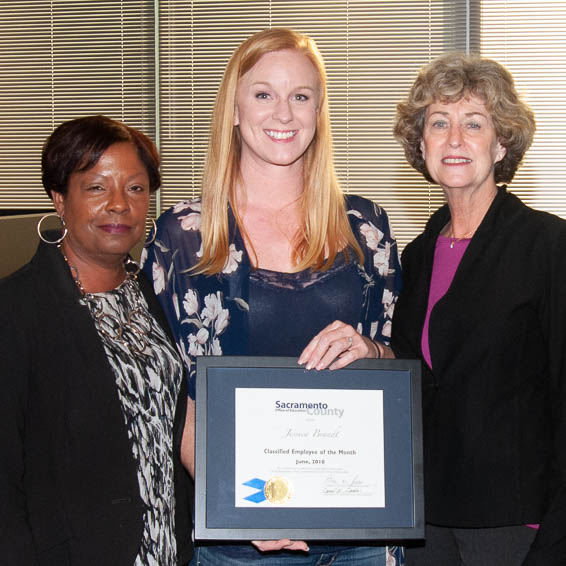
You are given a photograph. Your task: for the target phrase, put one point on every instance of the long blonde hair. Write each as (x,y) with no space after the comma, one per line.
(325,229)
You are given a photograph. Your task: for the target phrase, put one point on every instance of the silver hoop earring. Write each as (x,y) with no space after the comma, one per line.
(154,230)
(62,225)
(132,268)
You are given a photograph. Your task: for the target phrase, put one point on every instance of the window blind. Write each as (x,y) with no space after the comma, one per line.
(528,38)
(372,52)
(63,59)
(60,59)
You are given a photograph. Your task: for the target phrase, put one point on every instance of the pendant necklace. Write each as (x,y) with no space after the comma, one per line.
(454,240)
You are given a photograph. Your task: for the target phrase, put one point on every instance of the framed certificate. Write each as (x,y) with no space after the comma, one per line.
(283,452)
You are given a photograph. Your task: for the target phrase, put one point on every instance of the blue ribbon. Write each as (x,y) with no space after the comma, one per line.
(259,496)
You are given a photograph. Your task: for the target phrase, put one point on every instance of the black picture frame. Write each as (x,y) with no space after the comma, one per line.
(216,515)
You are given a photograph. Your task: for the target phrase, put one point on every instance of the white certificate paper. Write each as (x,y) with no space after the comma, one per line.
(309,448)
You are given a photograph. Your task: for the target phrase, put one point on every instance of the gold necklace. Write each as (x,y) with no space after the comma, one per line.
(454,240)
(130,267)
(138,339)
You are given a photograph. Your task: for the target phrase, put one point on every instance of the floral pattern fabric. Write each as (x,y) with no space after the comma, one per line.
(209,314)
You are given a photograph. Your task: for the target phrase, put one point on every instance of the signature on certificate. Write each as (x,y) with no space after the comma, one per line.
(349,486)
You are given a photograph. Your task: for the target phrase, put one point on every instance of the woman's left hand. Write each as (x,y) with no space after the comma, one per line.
(338,345)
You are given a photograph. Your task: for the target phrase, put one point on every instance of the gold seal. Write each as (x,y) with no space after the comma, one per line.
(277,490)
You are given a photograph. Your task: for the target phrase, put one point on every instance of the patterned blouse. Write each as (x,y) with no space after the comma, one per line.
(148,375)
(209,315)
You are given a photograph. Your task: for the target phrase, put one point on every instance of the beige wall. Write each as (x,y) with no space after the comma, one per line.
(18,240)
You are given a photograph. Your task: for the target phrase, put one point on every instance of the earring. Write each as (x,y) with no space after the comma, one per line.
(62,225)
(131,266)
(154,230)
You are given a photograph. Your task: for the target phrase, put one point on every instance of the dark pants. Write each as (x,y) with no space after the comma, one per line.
(444,546)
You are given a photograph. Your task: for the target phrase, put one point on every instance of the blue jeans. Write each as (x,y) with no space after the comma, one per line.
(360,556)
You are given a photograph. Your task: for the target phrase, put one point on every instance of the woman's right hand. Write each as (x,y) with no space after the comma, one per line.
(282,544)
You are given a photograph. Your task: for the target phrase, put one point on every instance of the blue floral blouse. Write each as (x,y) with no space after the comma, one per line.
(208,314)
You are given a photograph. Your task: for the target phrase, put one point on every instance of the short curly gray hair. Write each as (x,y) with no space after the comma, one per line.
(452,77)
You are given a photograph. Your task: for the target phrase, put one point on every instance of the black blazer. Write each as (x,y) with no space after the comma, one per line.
(494,406)
(69,492)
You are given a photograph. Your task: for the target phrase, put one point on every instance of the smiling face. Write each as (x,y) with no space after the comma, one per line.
(276,108)
(105,207)
(460,145)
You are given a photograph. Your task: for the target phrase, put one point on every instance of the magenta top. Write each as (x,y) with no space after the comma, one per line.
(447,255)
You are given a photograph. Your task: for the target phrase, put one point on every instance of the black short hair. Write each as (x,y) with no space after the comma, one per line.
(78,144)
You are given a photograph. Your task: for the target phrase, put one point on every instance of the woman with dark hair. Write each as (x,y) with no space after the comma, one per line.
(484,306)
(93,397)
(275,260)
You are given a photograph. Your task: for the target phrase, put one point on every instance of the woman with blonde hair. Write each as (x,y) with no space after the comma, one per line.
(274,260)
(483,304)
